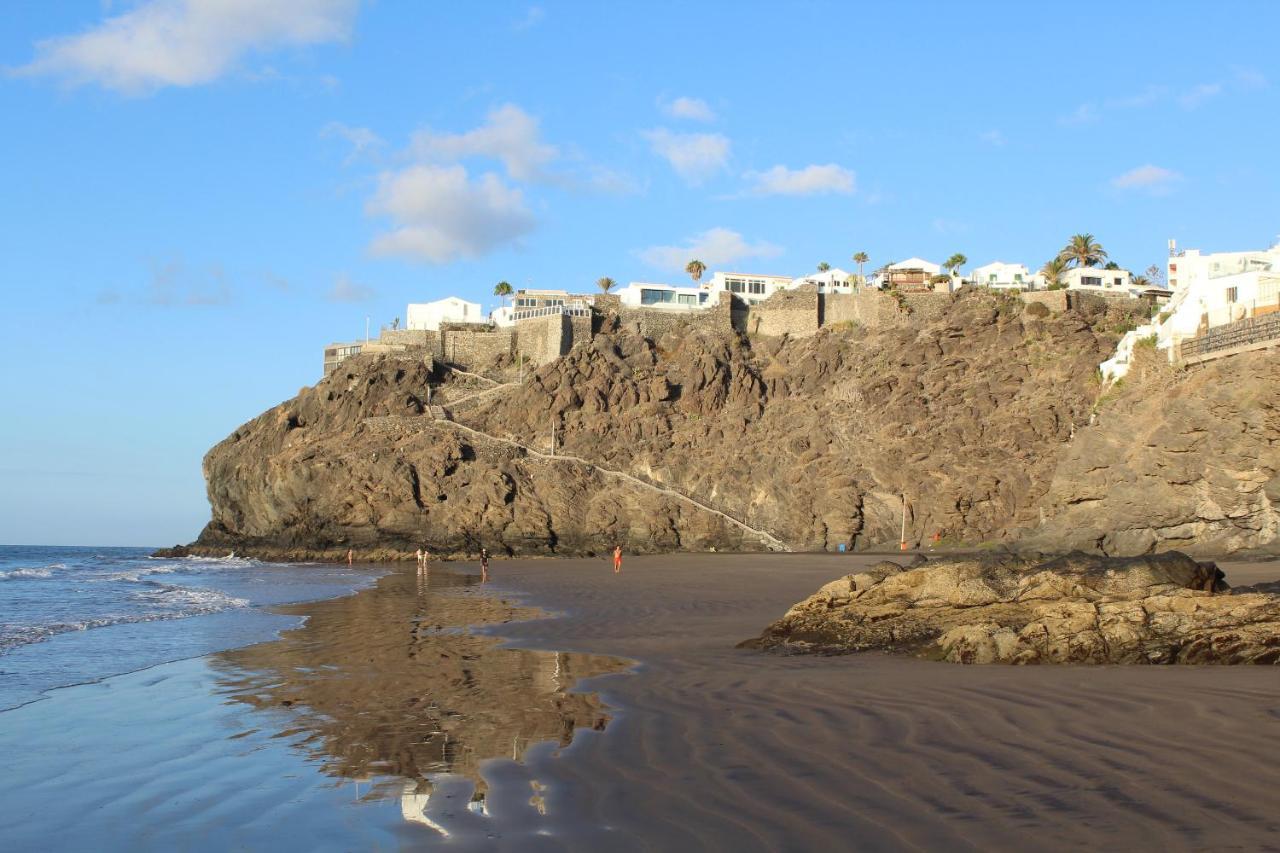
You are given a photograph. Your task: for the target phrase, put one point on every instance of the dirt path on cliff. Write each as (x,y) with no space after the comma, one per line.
(720,748)
(769,539)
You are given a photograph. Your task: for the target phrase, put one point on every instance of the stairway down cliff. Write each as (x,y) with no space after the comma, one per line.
(701,439)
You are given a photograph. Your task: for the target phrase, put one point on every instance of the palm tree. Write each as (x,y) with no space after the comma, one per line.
(824,266)
(1083,251)
(861,258)
(695,269)
(605,284)
(502,290)
(1052,272)
(955,262)
(1142,281)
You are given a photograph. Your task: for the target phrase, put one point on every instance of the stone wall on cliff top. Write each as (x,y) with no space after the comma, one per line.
(980,416)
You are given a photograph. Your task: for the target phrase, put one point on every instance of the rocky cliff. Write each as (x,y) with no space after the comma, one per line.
(983,418)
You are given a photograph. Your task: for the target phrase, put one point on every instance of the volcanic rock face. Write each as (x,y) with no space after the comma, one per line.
(813,442)
(1185,460)
(1164,608)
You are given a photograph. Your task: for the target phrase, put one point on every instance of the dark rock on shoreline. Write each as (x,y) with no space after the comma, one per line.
(1080,609)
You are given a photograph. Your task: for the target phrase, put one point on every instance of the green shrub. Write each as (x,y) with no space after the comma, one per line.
(1149,342)
(1037,309)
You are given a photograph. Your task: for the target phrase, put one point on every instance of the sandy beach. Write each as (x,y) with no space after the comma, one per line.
(622,717)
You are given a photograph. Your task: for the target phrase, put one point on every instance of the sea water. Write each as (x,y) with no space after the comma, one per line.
(70,615)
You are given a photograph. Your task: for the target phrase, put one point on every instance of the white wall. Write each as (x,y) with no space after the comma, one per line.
(1001,275)
(1108,281)
(753,288)
(429,315)
(834,280)
(684,298)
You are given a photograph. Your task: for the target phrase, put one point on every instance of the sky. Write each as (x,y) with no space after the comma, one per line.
(197,195)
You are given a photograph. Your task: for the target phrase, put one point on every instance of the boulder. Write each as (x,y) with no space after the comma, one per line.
(1080,609)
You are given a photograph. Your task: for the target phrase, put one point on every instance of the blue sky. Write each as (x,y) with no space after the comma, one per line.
(196,195)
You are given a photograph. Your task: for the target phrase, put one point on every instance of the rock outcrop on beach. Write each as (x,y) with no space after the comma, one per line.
(985,418)
(1080,609)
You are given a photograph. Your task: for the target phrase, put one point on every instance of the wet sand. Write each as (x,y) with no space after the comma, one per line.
(383,724)
(719,748)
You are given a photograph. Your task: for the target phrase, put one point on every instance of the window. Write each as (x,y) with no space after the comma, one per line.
(687,298)
(757,286)
(655,297)
(1017,276)
(1091,280)
(1231,294)
(734,285)
(1119,281)
(1173,268)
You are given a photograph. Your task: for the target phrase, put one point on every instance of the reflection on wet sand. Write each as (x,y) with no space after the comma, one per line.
(389,683)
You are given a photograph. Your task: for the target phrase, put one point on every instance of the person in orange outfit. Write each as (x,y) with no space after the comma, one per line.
(617,559)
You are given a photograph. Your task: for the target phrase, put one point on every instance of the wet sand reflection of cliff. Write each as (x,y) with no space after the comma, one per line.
(388,683)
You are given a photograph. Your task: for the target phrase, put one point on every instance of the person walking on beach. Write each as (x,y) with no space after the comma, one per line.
(418,554)
(426,556)
(484,565)
(617,559)
(350,555)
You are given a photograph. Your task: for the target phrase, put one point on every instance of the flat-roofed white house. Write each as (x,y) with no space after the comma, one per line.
(647,294)
(750,287)
(451,309)
(834,280)
(1003,276)
(1212,289)
(1115,282)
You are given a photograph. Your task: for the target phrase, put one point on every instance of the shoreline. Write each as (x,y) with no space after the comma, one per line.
(520,734)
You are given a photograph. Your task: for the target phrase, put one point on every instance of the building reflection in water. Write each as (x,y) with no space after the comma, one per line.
(387,685)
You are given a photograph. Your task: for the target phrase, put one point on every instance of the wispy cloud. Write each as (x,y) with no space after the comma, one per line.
(532,18)
(1086,113)
(684,107)
(1249,78)
(347,290)
(185,42)
(174,285)
(1152,179)
(811,180)
(1197,95)
(993,137)
(439,213)
(694,156)
(715,247)
(362,140)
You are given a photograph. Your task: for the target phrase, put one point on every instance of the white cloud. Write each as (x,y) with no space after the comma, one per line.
(362,139)
(186,42)
(346,290)
(694,156)
(439,214)
(1197,95)
(716,247)
(694,109)
(811,180)
(1249,78)
(173,284)
(1149,178)
(509,134)
(1083,114)
(531,18)
(993,137)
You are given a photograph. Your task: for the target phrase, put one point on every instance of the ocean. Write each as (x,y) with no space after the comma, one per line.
(70,615)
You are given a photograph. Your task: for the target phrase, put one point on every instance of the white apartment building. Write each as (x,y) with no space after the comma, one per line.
(749,287)
(1217,288)
(834,280)
(451,309)
(1003,276)
(1098,280)
(647,294)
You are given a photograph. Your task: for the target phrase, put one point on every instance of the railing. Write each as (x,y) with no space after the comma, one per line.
(1250,333)
(550,310)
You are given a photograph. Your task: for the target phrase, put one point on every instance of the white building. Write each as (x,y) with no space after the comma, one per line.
(451,309)
(646,294)
(834,280)
(1002,276)
(1098,280)
(1218,288)
(750,287)
(911,274)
